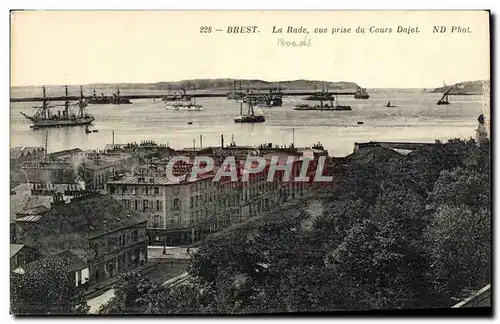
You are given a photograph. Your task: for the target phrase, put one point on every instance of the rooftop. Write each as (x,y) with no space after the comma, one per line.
(15,248)
(95,215)
(67,257)
(62,153)
(157,180)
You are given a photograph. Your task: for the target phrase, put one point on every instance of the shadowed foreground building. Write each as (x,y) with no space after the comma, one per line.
(99,235)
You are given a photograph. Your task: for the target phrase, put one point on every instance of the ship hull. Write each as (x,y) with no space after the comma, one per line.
(336,108)
(62,123)
(250,119)
(109,101)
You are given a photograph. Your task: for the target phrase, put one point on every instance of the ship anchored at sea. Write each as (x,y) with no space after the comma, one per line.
(116,99)
(322,106)
(361,93)
(252,116)
(44,117)
(191,105)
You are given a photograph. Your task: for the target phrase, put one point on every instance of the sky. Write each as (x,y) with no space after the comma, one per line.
(81,47)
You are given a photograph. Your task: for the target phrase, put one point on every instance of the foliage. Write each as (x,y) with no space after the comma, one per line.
(46,288)
(133,295)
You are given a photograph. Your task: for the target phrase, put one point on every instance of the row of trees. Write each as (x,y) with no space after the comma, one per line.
(404,231)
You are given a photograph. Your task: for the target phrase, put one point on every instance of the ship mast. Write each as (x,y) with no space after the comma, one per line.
(46,141)
(66,102)
(45,106)
(82,102)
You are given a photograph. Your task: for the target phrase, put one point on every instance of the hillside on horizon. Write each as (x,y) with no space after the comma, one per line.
(477,87)
(225,84)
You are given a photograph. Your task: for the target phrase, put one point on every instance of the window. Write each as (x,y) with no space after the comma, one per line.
(156,190)
(156,222)
(96,250)
(124,190)
(146,191)
(136,204)
(122,240)
(135,191)
(176,204)
(157,205)
(135,235)
(145,206)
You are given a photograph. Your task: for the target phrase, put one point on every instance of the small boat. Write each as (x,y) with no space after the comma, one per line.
(360,123)
(251,116)
(95,130)
(190,123)
(389,105)
(444,98)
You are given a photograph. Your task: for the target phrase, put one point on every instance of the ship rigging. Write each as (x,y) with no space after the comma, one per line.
(45,118)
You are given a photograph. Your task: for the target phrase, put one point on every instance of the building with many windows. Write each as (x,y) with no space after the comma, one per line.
(99,236)
(184,212)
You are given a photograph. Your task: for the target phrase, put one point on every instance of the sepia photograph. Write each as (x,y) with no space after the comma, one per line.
(250,162)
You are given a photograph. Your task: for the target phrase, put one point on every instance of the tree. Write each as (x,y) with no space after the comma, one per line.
(46,288)
(460,242)
(134,294)
(462,187)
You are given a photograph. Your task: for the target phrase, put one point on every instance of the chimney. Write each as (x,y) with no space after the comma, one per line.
(221,140)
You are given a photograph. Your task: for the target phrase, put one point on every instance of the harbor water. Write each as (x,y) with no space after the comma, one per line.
(416,118)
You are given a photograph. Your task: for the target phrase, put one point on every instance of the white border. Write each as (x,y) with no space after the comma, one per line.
(188,4)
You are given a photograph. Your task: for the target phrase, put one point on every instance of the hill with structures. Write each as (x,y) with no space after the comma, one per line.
(478,87)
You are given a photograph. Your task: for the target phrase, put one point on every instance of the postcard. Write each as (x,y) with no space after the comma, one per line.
(249,162)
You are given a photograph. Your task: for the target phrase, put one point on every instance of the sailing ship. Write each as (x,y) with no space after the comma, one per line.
(389,105)
(45,118)
(251,116)
(361,93)
(116,99)
(322,107)
(237,92)
(444,98)
(273,99)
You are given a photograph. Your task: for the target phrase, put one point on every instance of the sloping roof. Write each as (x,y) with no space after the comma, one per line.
(37,201)
(30,218)
(16,152)
(58,187)
(95,215)
(65,152)
(74,261)
(37,210)
(17,203)
(401,151)
(67,257)
(15,248)
(162,181)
